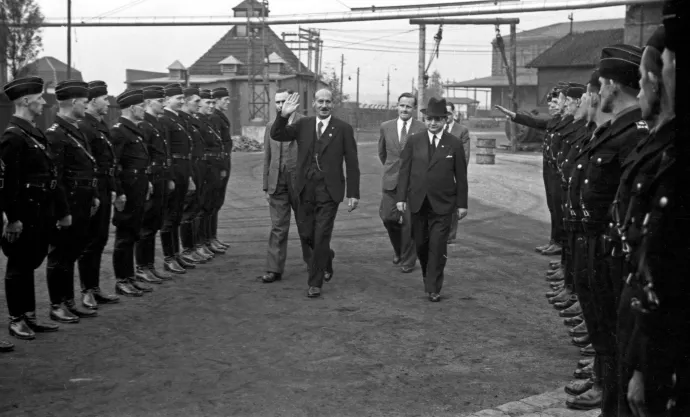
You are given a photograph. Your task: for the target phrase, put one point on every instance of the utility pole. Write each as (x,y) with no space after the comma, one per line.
(571,18)
(69,39)
(357,103)
(420,73)
(342,67)
(388,92)
(514,88)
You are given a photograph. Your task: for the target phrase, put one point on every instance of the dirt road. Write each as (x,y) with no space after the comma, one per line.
(216,342)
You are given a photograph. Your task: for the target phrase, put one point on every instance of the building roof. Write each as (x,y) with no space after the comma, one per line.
(200,79)
(578,49)
(52,71)
(560,30)
(246,3)
(524,79)
(177,65)
(231,60)
(462,100)
(135,74)
(275,59)
(231,44)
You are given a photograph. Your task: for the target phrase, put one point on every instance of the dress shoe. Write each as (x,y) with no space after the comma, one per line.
(579,386)
(552,250)
(434,297)
(193,257)
(579,330)
(581,341)
(208,251)
(162,275)
(88,300)
(588,351)
(32,322)
(396,260)
(185,262)
(19,329)
(557,285)
(74,309)
(105,298)
(173,267)
(572,311)
(124,287)
(140,285)
(573,321)
(559,275)
(406,269)
(60,313)
(217,249)
(585,362)
(561,297)
(541,248)
(220,242)
(555,293)
(328,275)
(6,346)
(565,304)
(588,400)
(271,277)
(554,264)
(201,253)
(143,275)
(314,292)
(585,372)
(555,270)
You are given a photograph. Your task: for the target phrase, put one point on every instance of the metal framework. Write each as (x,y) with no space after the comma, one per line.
(258,74)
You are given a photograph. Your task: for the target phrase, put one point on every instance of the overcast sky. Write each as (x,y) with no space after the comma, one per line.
(375,47)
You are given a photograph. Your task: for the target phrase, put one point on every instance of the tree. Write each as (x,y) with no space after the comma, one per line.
(23,34)
(434,87)
(332,79)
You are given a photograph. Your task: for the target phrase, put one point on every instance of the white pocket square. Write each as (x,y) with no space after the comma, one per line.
(449,156)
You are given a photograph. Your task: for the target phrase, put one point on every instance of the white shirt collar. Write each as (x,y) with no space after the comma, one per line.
(400,125)
(431,137)
(325,122)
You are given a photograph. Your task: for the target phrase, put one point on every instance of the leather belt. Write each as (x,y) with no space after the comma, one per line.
(82,182)
(181,156)
(136,171)
(109,172)
(44,185)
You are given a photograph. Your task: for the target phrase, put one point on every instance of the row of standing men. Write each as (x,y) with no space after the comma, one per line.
(164,166)
(616,180)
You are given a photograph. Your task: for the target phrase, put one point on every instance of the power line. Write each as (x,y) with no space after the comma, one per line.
(410,51)
(117,9)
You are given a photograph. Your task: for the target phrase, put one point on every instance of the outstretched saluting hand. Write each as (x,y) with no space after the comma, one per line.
(291,105)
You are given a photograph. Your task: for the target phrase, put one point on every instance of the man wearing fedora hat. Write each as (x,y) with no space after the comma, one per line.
(433,179)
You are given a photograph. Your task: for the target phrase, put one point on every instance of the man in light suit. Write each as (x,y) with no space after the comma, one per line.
(280,159)
(394,134)
(460,132)
(433,179)
(323,144)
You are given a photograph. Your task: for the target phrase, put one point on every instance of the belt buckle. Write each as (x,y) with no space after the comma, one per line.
(111,172)
(168,161)
(94,182)
(53,184)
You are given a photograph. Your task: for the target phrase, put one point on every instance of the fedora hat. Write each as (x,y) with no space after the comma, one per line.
(436,108)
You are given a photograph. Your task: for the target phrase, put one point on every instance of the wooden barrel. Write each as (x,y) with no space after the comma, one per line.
(486,151)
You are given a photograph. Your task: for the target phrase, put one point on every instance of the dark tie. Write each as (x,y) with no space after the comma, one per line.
(448,128)
(320,125)
(403,131)
(432,147)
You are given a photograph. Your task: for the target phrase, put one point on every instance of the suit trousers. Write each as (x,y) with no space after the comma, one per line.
(128,225)
(67,245)
(454,226)
(152,222)
(546,175)
(281,201)
(193,207)
(430,231)
(556,193)
(172,212)
(317,212)
(98,232)
(400,235)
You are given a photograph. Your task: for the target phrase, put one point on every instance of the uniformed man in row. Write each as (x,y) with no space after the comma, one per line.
(221,124)
(32,201)
(181,153)
(97,135)
(5,346)
(597,175)
(77,176)
(160,177)
(132,188)
(192,204)
(212,181)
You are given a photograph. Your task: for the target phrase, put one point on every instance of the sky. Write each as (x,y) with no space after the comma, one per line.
(377,48)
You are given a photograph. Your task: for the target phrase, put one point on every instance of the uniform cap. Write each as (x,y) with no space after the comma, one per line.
(71,89)
(205,94)
(190,91)
(219,92)
(621,63)
(594,79)
(173,90)
(153,92)
(575,90)
(21,87)
(656,41)
(130,98)
(97,89)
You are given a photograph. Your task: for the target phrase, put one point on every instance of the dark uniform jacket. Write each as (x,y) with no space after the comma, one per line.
(553,139)
(30,168)
(176,135)
(158,148)
(97,136)
(193,126)
(75,163)
(130,150)
(222,125)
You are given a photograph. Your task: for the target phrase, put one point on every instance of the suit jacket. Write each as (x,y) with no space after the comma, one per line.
(272,157)
(462,133)
(443,180)
(338,145)
(390,148)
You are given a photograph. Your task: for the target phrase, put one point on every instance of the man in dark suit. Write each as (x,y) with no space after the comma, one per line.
(433,178)
(323,143)
(462,133)
(394,134)
(280,159)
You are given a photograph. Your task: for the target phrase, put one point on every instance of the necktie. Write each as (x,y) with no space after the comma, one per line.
(320,126)
(403,131)
(448,128)
(432,147)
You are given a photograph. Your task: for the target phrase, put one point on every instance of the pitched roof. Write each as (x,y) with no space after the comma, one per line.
(524,79)
(201,79)
(231,60)
(559,30)
(245,5)
(52,70)
(231,44)
(135,74)
(275,59)
(177,65)
(578,49)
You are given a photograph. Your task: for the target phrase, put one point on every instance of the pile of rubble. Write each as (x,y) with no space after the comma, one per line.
(245,144)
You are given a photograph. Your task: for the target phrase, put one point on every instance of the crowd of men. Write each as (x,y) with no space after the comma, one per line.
(617,183)
(164,166)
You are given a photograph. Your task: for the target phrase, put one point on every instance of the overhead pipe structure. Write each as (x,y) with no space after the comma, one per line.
(527,6)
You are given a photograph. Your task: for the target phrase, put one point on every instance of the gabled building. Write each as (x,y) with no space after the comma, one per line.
(52,70)
(227,64)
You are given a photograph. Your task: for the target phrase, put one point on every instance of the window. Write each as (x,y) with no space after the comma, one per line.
(241,30)
(240,13)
